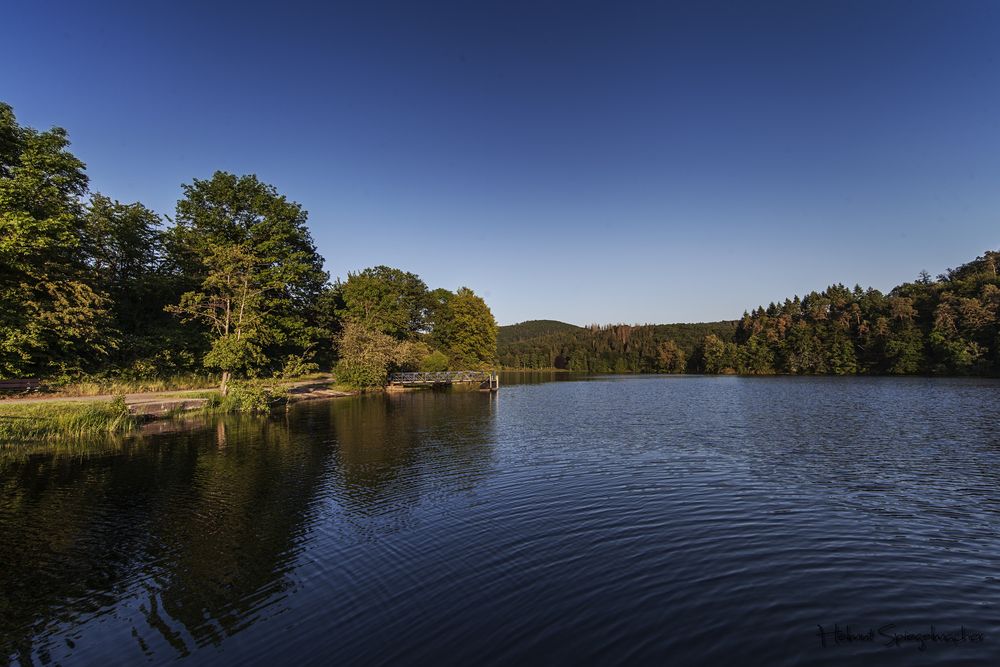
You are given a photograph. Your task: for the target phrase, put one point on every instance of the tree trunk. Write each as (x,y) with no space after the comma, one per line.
(224,387)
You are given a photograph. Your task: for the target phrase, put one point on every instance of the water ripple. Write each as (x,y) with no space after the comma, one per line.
(621,521)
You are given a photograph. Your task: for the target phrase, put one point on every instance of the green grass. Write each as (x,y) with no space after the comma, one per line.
(32,422)
(98,386)
(63,422)
(176,383)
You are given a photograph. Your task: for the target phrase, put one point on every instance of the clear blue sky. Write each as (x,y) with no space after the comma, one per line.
(582,161)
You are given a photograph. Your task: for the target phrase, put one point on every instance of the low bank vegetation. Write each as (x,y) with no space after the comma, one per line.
(27,422)
(73,420)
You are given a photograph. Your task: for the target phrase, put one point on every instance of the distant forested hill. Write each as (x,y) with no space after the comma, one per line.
(949,325)
(513,333)
(615,348)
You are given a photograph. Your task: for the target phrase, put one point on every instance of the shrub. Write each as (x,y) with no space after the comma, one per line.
(365,355)
(409,354)
(298,365)
(249,397)
(435,362)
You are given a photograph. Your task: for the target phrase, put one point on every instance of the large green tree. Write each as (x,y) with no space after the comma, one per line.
(125,245)
(670,358)
(465,329)
(233,302)
(237,233)
(385,299)
(51,315)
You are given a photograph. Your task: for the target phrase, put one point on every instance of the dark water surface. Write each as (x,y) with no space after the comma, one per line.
(647,520)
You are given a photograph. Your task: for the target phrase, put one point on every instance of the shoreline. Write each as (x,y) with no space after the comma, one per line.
(27,421)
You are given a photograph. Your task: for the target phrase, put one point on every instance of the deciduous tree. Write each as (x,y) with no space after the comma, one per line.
(51,314)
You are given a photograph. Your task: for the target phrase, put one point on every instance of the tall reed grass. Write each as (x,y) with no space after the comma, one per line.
(31,422)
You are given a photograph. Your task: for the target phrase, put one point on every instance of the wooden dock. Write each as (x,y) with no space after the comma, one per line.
(487,381)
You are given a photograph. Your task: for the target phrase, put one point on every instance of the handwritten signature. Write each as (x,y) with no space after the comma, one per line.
(890,637)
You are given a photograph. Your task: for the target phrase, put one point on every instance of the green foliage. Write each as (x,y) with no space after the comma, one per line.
(617,348)
(297,365)
(385,299)
(97,293)
(251,264)
(409,354)
(50,308)
(230,210)
(435,362)
(534,329)
(718,357)
(87,289)
(756,357)
(26,422)
(387,320)
(125,247)
(249,398)
(365,356)
(259,275)
(231,353)
(671,358)
(945,326)
(950,325)
(464,327)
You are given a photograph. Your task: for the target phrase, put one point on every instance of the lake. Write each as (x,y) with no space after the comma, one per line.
(565,520)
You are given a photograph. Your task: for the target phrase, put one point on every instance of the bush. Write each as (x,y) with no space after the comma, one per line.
(141,369)
(409,354)
(249,397)
(365,355)
(434,362)
(298,365)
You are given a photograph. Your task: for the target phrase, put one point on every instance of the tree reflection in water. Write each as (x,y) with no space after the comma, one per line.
(180,540)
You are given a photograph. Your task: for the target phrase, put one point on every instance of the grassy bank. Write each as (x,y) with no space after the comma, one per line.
(95,386)
(115,386)
(75,420)
(70,418)
(27,422)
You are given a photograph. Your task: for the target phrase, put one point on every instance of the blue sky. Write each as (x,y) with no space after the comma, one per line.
(582,161)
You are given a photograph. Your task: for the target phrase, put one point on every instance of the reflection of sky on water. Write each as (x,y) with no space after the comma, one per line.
(569,520)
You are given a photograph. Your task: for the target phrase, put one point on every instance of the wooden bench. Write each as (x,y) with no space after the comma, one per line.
(19,386)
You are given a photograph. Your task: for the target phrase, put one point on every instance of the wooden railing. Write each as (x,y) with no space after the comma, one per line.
(440,377)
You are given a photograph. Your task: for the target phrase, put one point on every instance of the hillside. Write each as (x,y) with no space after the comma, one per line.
(949,325)
(533,329)
(616,348)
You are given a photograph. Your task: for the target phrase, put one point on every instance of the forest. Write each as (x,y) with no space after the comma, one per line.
(614,348)
(948,325)
(231,286)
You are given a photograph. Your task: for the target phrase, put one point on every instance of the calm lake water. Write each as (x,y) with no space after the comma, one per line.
(645,520)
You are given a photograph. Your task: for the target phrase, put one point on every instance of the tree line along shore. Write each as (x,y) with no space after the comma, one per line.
(93,290)
(100,296)
(948,325)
